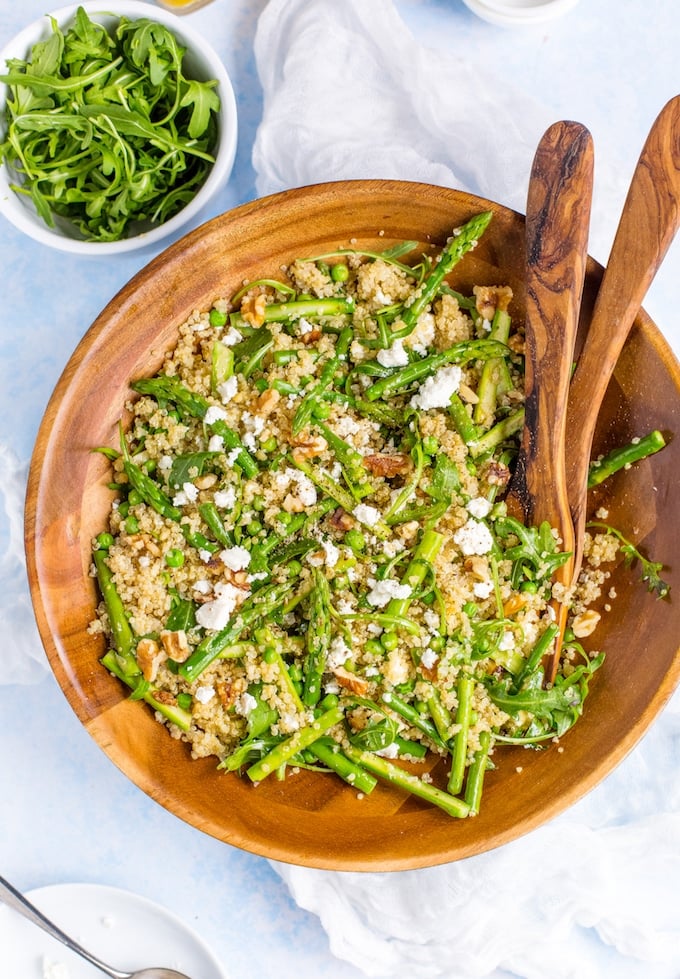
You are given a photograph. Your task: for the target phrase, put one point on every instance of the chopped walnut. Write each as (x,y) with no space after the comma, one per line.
(488,299)
(149,657)
(176,644)
(350,681)
(585,623)
(142,542)
(309,447)
(205,481)
(477,566)
(342,520)
(382,464)
(228,691)
(253,308)
(266,402)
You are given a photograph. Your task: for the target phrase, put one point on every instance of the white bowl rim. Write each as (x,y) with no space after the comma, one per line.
(509,13)
(20,215)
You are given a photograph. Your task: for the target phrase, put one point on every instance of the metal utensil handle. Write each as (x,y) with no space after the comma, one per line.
(11,897)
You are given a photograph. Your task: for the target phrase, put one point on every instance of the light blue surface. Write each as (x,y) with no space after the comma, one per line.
(66,813)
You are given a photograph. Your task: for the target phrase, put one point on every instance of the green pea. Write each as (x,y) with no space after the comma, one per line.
(339,272)
(284,517)
(437,643)
(421,707)
(470,609)
(430,445)
(428,598)
(131,525)
(389,640)
(374,647)
(295,672)
(529,587)
(269,445)
(104,541)
(569,635)
(341,582)
(123,509)
(174,558)
(258,503)
(261,384)
(134,497)
(150,466)
(355,540)
(330,700)
(184,700)
(217,317)
(321,410)
(269,654)
(253,528)
(294,568)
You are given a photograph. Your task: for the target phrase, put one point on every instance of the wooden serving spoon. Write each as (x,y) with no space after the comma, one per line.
(650,219)
(557,224)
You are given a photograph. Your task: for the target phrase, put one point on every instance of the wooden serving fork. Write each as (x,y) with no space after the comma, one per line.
(557,225)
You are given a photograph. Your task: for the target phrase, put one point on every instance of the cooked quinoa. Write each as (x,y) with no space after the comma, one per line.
(309,560)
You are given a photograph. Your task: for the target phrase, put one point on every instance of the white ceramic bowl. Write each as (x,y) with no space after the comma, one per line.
(511,13)
(202,62)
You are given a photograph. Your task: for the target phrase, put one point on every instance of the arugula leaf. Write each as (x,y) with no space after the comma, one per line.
(104,129)
(187,467)
(650,570)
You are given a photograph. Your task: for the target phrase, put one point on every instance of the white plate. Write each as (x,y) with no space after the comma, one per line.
(122,929)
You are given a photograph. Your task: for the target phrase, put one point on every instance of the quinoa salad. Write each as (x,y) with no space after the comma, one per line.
(309,562)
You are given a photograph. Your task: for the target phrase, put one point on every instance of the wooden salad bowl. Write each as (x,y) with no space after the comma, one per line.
(313,819)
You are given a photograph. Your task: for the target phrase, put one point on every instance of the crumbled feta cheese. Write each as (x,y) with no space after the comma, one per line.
(508,641)
(165,463)
(383,591)
(305,326)
(392,547)
(482,589)
(188,494)
(236,558)
(227,389)
(226,498)
(366,514)
(250,442)
(422,336)
(245,704)
(473,537)
(431,619)
(252,423)
(480,507)
(204,694)
(216,443)
(344,606)
(214,414)
(389,751)
(203,587)
(306,490)
(204,555)
(338,653)
(231,337)
(232,457)
(394,356)
(215,615)
(429,658)
(436,390)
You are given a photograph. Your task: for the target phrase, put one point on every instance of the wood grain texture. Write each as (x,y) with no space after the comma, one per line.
(315,820)
(648,224)
(557,225)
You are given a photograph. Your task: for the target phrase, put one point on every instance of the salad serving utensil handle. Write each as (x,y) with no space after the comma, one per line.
(557,225)
(648,223)
(10,896)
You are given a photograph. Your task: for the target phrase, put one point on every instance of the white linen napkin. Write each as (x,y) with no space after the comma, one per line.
(349,93)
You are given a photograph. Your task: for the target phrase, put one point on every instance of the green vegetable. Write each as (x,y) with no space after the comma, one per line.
(105,130)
